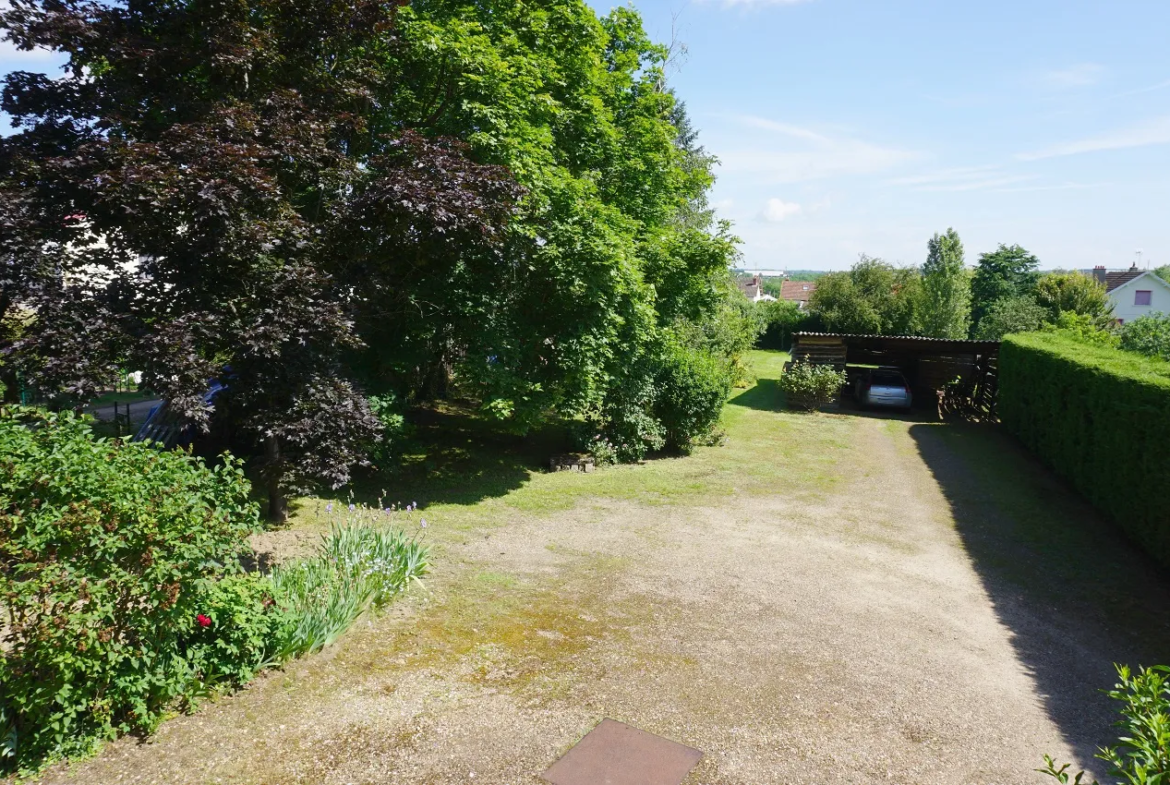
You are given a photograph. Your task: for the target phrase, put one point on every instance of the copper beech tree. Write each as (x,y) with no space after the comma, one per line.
(205,193)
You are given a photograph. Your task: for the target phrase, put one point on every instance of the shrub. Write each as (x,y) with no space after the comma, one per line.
(781,319)
(1010,315)
(1142,754)
(1149,335)
(388,410)
(809,386)
(361,564)
(110,554)
(1085,329)
(692,388)
(1100,418)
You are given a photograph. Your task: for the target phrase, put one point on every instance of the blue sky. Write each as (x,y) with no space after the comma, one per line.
(851,126)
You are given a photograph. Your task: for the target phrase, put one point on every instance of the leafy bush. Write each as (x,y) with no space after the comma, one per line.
(692,388)
(1010,315)
(810,386)
(1100,418)
(780,320)
(110,554)
(361,564)
(389,413)
(1085,329)
(1142,754)
(1149,335)
(235,633)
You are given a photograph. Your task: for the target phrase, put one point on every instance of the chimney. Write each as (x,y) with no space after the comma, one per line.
(1099,274)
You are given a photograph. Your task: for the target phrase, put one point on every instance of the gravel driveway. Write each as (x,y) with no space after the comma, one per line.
(865,600)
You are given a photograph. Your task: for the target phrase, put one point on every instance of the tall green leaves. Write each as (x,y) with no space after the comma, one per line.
(1008,271)
(946,288)
(613,247)
(874,297)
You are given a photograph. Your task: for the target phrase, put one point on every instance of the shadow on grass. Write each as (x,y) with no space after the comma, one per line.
(1075,594)
(765,396)
(455,457)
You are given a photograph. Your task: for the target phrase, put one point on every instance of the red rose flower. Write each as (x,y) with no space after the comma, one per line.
(204,621)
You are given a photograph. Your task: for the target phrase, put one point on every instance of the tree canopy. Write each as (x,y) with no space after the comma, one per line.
(874,297)
(946,284)
(319,201)
(1009,271)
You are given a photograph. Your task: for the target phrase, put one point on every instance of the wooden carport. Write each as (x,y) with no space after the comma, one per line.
(960,374)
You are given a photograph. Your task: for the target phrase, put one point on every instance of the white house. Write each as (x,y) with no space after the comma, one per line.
(1134,292)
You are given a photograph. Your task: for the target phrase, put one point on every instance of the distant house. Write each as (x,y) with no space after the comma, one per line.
(753,289)
(797,292)
(1134,292)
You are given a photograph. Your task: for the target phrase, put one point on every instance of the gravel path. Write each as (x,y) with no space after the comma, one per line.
(910,617)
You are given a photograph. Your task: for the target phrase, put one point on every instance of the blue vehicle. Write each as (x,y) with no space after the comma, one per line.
(167,429)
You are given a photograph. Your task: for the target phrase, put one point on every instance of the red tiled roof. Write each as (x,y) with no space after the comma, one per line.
(797,291)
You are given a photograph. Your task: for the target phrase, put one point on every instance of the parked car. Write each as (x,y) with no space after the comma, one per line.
(884,387)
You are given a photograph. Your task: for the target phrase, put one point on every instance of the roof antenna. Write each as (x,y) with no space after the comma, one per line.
(1139,256)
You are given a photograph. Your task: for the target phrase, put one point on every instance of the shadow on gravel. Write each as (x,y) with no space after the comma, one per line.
(1075,594)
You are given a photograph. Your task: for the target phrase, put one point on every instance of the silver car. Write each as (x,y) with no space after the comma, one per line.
(884,387)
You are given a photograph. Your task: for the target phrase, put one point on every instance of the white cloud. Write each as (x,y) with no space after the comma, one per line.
(961,173)
(777,210)
(967,178)
(1147,89)
(1154,132)
(797,154)
(1079,75)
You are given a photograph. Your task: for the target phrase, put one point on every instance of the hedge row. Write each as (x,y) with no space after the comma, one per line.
(1100,417)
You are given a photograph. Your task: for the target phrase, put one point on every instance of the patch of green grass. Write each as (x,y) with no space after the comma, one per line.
(110,398)
(467,473)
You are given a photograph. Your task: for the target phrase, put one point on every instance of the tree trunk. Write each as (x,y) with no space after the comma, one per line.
(277,503)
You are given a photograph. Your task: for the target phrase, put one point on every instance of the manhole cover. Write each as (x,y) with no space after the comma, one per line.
(613,753)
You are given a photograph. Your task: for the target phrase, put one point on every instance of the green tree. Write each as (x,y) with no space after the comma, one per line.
(1072,293)
(1163,272)
(213,201)
(1009,271)
(874,297)
(946,302)
(373,197)
(613,256)
(1018,314)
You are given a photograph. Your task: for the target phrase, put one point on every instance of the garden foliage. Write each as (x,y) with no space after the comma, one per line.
(780,320)
(1100,417)
(109,555)
(121,589)
(340,200)
(360,565)
(810,386)
(873,297)
(1142,754)
(1149,335)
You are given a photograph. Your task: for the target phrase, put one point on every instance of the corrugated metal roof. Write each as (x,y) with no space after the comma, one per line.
(908,338)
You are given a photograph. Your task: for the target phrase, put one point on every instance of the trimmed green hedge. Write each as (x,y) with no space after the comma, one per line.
(1100,417)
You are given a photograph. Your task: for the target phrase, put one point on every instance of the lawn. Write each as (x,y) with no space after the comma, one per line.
(826,598)
(122,397)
